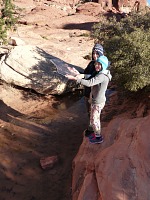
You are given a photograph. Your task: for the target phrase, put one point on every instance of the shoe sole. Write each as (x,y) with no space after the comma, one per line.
(96,142)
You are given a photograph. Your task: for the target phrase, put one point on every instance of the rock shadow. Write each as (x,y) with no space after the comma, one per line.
(17,118)
(81,26)
(7,112)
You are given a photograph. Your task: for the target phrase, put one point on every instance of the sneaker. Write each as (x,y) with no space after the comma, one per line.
(87,133)
(96,140)
(91,136)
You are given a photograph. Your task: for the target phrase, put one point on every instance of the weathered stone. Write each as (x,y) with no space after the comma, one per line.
(31,67)
(122,6)
(15,41)
(70,2)
(122,3)
(48,162)
(141,110)
(90,8)
(117,168)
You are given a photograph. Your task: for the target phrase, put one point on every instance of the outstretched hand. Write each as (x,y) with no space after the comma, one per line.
(73,70)
(70,77)
(79,76)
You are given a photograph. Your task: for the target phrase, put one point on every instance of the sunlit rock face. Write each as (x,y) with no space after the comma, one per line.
(108,3)
(99,6)
(31,67)
(117,169)
(67,2)
(122,3)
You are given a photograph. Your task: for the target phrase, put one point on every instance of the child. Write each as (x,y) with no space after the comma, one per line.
(89,72)
(98,84)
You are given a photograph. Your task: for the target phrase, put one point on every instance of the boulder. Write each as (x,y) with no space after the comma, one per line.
(15,41)
(31,67)
(48,162)
(66,2)
(121,5)
(117,168)
(90,8)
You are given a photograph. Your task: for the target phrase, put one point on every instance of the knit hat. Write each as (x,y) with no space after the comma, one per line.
(103,60)
(98,48)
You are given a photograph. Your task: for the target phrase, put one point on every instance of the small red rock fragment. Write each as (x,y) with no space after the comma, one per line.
(48,162)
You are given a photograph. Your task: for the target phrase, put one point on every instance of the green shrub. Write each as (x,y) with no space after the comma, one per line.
(3,32)
(7,20)
(127,43)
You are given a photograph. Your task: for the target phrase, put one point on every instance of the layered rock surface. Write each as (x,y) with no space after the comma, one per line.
(31,67)
(118,168)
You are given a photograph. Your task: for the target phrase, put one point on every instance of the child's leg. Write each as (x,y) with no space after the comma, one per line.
(88,108)
(95,118)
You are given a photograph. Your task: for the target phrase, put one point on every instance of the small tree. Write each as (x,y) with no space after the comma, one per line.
(127,43)
(3,32)
(7,20)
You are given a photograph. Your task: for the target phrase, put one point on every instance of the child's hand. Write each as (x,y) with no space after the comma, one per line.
(73,70)
(80,76)
(70,77)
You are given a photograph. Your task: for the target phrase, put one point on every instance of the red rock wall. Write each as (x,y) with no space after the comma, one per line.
(119,3)
(108,3)
(67,2)
(119,167)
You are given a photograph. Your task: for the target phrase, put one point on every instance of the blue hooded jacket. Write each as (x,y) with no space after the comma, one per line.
(98,83)
(103,60)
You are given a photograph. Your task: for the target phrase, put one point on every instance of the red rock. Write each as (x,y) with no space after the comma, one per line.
(117,168)
(48,162)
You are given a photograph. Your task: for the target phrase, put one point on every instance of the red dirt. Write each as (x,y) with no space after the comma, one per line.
(32,126)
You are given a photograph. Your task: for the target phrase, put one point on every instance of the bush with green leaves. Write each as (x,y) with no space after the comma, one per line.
(7,20)
(3,32)
(127,43)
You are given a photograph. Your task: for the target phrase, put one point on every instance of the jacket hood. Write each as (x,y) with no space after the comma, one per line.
(107,73)
(103,60)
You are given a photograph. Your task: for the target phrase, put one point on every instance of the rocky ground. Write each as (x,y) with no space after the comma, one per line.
(33,126)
